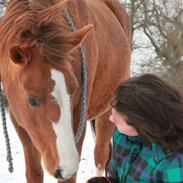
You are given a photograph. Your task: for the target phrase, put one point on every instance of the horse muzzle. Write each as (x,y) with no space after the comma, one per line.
(59,174)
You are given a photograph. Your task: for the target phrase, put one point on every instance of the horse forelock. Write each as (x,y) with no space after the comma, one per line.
(40,23)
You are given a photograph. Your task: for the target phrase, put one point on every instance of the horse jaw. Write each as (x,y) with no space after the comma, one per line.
(66,148)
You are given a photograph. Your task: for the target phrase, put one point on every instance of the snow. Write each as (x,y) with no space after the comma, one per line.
(86,168)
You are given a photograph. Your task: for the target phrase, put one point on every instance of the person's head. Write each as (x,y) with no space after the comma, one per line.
(151,107)
(121,122)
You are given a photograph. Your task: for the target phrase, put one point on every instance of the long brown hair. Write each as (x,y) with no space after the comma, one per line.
(154,108)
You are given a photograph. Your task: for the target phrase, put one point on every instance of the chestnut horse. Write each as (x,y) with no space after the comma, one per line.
(40,69)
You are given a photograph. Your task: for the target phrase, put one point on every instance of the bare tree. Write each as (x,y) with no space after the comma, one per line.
(3,4)
(163,25)
(162,22)
(134,10)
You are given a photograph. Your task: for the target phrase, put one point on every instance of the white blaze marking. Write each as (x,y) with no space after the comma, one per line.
(69,159)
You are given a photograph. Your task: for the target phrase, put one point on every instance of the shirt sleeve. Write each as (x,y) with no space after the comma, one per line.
(172,171)
(111,170)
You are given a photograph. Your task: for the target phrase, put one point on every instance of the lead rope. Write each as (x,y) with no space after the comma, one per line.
(8,147)
(84,81)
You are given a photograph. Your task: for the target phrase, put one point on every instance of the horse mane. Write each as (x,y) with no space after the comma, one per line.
(35,22)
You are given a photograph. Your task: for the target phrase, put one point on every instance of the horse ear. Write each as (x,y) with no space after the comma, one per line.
(78,36)
(20,56)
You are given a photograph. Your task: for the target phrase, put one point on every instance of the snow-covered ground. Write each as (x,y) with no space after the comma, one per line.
(86,169)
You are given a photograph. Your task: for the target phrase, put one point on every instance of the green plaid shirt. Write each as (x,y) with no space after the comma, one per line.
(134,161)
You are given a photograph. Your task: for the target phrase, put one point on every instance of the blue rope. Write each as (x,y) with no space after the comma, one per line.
(84,81)
(8,147)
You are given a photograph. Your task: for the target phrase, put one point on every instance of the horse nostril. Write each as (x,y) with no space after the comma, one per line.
(58,174)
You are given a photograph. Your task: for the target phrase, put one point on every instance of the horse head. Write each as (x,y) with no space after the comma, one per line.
(39,82)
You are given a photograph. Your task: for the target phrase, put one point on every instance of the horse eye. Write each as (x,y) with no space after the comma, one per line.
(33,101)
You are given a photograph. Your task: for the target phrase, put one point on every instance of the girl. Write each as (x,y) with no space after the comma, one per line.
(148,140)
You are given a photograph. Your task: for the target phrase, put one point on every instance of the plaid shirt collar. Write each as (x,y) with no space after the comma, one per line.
(158,152)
